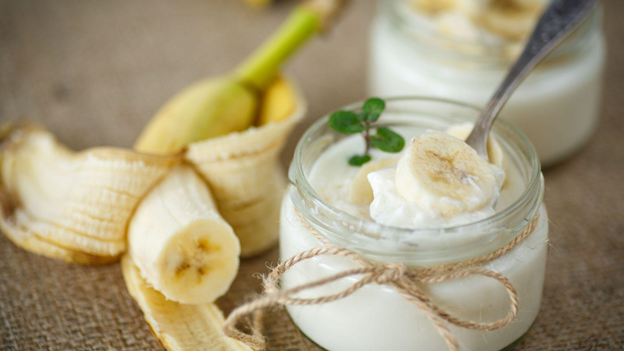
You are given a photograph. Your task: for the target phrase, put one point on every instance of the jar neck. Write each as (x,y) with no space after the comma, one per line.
(417,247)
(458,52)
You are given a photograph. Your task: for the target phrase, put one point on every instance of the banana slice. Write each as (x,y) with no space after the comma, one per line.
(361,192)
(177,326)
(510,19)
(441,172)
(68,205)
(180,243)
(434,7)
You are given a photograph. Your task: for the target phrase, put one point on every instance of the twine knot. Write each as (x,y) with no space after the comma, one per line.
(391,273)
(404,280)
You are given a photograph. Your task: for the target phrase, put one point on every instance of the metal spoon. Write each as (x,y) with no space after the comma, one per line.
(560,19)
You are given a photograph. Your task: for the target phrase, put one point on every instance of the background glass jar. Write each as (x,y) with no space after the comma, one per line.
(377,317)
(557,106)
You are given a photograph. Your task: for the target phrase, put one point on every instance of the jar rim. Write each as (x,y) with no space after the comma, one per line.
(299,179)
(476,49)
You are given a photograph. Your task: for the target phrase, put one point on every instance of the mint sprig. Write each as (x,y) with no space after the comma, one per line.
(348,122)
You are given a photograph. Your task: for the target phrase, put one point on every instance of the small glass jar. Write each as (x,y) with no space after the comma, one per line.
(557,106)
(376,317)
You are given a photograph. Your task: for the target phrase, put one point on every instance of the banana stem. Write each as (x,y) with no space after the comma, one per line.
(260,69)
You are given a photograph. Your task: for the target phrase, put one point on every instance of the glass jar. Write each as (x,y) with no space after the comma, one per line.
(557,106)
(376,317)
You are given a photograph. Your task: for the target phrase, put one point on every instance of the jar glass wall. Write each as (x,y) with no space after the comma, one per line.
(377,317)
(557,106)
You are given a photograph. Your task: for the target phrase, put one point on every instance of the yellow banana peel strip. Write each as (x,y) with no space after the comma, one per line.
(179,327)
(74,206)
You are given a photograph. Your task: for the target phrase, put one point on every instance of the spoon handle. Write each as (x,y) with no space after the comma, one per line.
(560,19)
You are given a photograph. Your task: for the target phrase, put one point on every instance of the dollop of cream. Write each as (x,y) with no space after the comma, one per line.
(390,208)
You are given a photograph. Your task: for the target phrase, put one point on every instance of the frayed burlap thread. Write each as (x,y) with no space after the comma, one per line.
(396,275)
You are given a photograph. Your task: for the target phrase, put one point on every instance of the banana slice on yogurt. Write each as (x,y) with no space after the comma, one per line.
(441,172)
(361,192)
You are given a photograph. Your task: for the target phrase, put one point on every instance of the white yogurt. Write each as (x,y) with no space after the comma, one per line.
(377,317)
(557,106)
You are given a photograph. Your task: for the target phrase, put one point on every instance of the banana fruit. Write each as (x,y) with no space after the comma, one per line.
(207,109)
(434,7)
(243,172)
(71,205)
(441,172)
(360,192)
(279,102)
(180,243)
(511,19)
(178,327)
(212,123)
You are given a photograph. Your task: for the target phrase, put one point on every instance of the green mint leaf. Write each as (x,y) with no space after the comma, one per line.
(346,122)
(387,140)
(362,116)
(358,160)
(373,108)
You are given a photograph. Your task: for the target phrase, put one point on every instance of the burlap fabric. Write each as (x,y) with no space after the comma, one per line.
(95,71)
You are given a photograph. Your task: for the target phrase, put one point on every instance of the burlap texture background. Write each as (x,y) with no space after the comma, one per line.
(95,71)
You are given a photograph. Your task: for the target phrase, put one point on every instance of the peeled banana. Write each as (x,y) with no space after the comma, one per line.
(246,181)
(179,327)
(441,172)
(71,205)
(207,109)
(180,243)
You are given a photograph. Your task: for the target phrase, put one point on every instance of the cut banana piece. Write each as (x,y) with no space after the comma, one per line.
(361,192)
(441,172)
(434,7)
(509,19)
(68,205)
(180,243)
(178,327)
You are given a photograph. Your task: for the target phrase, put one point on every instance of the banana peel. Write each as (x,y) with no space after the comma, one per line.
(74,206)
(177,326)
(242,170)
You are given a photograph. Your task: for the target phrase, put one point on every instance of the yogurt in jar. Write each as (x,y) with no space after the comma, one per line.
(462,49)
(377,317)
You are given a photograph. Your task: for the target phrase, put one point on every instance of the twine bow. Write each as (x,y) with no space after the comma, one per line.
(396,275)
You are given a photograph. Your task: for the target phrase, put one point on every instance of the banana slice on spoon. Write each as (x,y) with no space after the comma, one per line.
(443,173)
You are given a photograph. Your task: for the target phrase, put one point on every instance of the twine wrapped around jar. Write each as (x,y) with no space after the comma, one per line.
(396,275)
